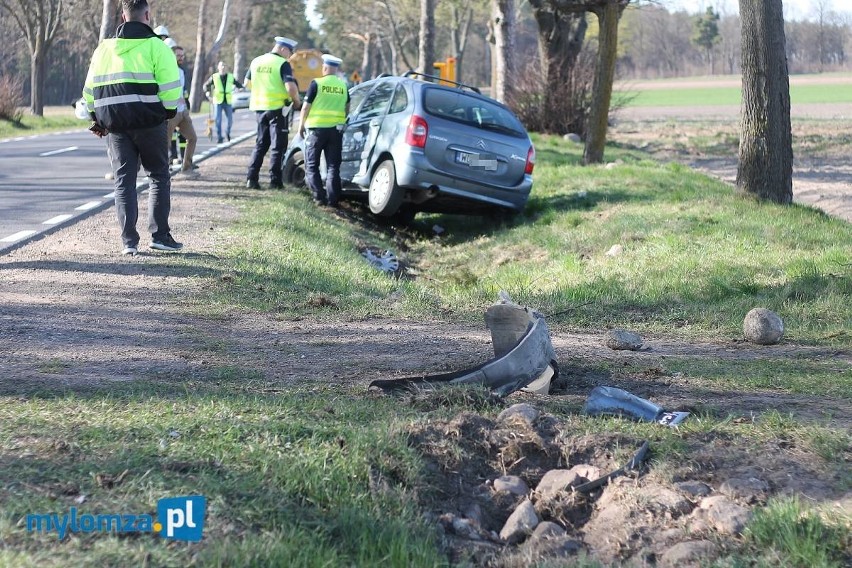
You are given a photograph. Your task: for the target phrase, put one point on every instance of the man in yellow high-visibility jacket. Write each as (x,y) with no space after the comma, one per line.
(131,89)
(219,88)
(273,87)
(323,118)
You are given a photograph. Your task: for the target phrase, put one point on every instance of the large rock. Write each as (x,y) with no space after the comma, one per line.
(520,523)
(763,326)
(521,412)
(512,484)
(557,480)
(690,553)
(620,339)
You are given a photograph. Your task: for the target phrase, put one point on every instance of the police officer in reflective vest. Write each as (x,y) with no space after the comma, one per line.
(220,90)
(323,118)
(273,87)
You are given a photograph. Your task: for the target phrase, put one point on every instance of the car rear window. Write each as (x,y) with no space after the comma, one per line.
(473,111)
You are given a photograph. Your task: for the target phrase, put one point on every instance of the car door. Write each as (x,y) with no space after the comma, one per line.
(362,131)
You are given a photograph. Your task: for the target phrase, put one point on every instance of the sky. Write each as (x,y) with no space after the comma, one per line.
(793,9)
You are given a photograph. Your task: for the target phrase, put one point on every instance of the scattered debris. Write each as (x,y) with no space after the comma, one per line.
(438,229)
(523,356)
(611,400)
(631,465)
(763,326)
(385,261)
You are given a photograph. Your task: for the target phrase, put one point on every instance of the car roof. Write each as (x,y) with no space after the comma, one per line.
(409,78)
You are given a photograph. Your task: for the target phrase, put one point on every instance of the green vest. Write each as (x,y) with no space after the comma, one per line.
(329,106)
(268,91)
(220,91)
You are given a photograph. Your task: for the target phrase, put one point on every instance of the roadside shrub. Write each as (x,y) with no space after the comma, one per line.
(567,110)
(11,98)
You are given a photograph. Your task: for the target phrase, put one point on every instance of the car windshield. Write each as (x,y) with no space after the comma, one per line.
(474,111)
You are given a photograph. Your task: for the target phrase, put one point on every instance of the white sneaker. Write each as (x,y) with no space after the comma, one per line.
(130,251)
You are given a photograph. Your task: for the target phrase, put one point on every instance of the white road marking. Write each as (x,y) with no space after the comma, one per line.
(17,236)
(62,151)
(87,206)
(56,220)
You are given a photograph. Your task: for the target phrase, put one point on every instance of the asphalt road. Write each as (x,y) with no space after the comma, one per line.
(50,181)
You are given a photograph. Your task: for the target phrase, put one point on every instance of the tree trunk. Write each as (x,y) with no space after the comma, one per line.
(427,37)
(560,40)
(459,36)
(503,17)
(200,74)
(765,165)
(37,75)
(608,16)
(200,65)
(108,19)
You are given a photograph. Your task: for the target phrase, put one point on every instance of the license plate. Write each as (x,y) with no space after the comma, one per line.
(463,158)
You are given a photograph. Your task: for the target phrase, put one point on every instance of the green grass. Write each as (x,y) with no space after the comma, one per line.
(715,96)
(797,536)
(55,118)
(307,475)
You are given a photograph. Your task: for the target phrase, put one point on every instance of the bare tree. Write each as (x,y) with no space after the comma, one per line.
(204,61)
(608,13)
(504,29)
(560,39)
(109,19)
(427,36)
(765,167)
(40,21)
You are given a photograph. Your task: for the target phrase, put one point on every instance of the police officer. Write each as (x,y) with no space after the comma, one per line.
(323,118)
(131,89)
(272,85)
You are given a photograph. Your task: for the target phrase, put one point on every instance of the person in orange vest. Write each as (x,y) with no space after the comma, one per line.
(219,89)
(273,87)
(323,118)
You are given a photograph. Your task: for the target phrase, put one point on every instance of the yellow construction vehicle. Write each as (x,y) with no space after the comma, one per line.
(307,66)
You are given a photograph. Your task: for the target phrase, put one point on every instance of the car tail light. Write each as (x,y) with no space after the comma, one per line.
(530,161)
(418,130)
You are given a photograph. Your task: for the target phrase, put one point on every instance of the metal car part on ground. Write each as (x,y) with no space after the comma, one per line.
(411,145)
(524,356)
(619,402)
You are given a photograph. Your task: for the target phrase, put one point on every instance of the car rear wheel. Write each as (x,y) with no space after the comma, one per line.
(385,195)
(294,170)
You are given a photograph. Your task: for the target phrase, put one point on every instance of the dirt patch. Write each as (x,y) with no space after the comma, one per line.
(75,314)
(822,175)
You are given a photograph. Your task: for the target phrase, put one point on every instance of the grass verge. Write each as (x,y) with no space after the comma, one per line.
(327,476)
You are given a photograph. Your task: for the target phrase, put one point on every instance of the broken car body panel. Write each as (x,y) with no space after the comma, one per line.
(523,355)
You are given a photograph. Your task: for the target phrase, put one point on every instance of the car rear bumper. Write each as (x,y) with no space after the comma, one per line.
(413,171)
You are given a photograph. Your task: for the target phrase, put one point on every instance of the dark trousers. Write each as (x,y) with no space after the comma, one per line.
(272,131)
(126,149)
(330,142)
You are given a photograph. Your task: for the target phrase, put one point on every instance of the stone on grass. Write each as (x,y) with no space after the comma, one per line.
(572,137)
(620,339)
(547,529)
(763,326)
(747,490)
(519,412)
